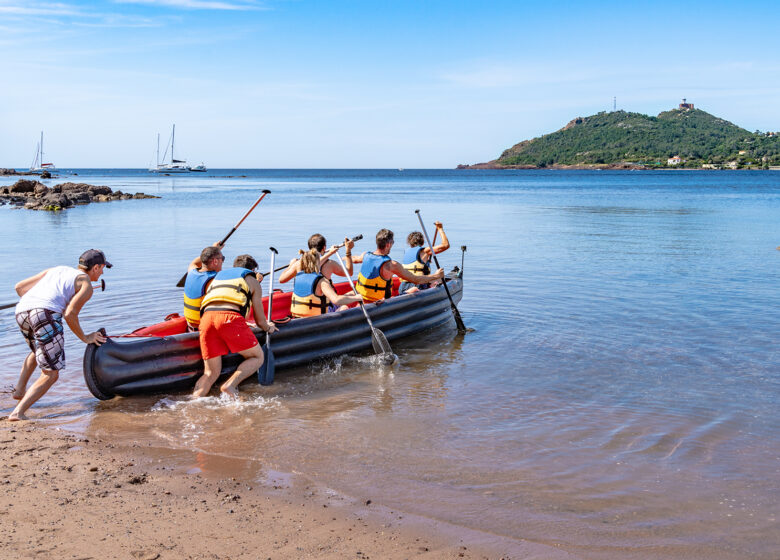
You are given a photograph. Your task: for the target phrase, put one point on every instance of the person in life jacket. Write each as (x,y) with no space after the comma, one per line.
(312,292)
(328,268)
(417,258)
(200,273)
(375,280)
(45,300)
(223,327)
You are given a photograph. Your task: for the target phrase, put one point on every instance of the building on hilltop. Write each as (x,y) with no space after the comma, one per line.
(685,105)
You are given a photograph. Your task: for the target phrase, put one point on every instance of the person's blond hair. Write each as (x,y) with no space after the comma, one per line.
(310,260)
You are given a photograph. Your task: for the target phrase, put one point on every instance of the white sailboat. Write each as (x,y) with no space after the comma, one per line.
(38,166)
(175,165)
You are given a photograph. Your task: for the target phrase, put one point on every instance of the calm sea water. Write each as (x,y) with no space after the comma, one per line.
(618,398)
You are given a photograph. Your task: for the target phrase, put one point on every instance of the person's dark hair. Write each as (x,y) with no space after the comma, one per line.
(245,261)
(383,237)
(209,253)
(415,239)
(317,241)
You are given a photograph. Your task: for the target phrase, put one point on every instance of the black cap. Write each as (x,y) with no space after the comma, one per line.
(92,257)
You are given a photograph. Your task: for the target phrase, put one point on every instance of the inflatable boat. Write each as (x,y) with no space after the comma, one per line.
(164,357)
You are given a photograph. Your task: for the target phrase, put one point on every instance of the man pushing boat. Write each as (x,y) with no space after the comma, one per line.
(46,298)
(223,327)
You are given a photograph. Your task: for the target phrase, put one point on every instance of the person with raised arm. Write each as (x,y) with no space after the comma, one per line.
(223,326)
(417,258)
(375,280)
(327,267)
(46,298)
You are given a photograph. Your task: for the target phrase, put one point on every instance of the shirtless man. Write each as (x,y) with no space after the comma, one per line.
(46,298)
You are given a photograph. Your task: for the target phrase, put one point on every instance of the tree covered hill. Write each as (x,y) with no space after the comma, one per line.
(623,138)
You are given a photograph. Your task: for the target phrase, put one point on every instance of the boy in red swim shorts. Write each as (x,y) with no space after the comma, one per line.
(223,327)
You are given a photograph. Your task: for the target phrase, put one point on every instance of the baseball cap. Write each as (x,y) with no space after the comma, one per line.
(92,257)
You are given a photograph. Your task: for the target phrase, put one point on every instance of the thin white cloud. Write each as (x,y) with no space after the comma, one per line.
(38,9)
(198,4)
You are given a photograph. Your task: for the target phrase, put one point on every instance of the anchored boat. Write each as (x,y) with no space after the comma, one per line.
(38,165)
(164,357)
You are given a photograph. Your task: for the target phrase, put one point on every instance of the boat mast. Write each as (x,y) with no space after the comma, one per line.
(41,162)
(173,136)
(158,150)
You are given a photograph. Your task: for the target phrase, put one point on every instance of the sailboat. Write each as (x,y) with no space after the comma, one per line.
(175,165)
(38,166)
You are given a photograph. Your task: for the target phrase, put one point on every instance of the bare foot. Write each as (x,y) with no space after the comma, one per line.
(229,391)
(14,417)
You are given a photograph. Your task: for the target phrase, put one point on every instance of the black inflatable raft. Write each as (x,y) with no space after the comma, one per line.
(164,357)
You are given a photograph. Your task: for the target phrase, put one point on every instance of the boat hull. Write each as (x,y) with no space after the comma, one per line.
(131,364)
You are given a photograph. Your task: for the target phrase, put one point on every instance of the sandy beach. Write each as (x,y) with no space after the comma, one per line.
(65,496)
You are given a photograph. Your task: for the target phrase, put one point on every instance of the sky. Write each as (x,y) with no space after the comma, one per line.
(362,84)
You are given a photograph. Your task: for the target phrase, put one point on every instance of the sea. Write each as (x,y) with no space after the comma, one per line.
(617,396)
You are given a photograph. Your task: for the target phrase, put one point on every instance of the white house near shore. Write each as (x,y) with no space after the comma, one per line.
(674,160)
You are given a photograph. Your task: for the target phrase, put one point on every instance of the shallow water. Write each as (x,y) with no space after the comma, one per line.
(618,397)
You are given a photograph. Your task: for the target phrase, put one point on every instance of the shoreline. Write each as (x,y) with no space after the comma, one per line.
(594,167)
(67,495)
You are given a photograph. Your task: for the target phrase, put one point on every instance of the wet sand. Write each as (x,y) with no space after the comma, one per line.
(65,496)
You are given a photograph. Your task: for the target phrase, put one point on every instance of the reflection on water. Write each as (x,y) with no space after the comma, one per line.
(618,397)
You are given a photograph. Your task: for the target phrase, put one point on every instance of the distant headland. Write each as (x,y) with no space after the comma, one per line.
(684,137)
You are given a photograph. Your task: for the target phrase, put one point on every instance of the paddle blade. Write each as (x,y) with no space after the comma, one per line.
(459,320)
(265,375)
(182,280)
(379,342)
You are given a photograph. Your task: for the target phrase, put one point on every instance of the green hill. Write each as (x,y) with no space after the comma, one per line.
(627,139)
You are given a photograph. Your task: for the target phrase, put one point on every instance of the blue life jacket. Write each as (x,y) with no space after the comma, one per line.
(304,301)
(194,290)
(413,261)
(370,283)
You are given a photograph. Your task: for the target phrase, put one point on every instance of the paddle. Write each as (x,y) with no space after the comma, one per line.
(265,375)
(455,312)
(378,339)
(102,289)
(180,283)
(356,238)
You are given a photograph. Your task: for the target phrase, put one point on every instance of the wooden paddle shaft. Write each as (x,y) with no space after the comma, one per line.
(235,227)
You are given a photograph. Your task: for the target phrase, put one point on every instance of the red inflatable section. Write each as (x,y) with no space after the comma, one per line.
(175,324)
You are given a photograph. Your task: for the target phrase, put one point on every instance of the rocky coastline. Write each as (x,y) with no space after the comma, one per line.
(495,165)
(5,171)
(34,195)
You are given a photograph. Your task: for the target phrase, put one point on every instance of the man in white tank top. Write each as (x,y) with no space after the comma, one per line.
(46,298)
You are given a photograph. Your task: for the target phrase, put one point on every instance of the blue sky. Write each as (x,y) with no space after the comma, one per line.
(361,84)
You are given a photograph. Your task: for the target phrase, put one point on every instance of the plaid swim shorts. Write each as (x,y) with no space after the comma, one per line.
(42,329)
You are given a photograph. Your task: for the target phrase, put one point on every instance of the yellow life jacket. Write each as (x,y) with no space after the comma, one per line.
(370,283)
(228,286)
(194,288)
(304,302)
(413,261)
